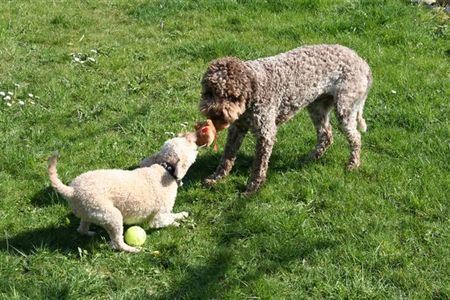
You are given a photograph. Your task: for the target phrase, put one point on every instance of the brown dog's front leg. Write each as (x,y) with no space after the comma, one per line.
(234,141)
(264,147)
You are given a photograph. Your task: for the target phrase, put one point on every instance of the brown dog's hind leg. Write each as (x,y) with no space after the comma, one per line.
(347,118)
(319,112)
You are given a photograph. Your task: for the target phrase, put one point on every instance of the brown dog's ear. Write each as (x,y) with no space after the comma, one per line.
(232,110)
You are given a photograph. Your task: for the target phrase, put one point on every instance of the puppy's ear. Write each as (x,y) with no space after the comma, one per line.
(191,137)
(197,126)
(184,162)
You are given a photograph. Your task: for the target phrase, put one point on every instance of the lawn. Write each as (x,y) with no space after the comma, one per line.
(107,82)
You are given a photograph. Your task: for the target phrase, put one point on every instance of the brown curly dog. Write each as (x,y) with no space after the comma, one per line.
(260,94)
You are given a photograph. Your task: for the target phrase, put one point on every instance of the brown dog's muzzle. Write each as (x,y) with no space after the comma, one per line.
(220,124)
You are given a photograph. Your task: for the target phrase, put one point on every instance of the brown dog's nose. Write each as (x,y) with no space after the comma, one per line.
(220,125)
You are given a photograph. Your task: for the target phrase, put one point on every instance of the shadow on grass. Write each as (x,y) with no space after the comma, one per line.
(62,238)
(206,164)
(47,197)
(210,280)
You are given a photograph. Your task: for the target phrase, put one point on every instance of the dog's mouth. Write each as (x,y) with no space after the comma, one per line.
(220,124)
(219,120)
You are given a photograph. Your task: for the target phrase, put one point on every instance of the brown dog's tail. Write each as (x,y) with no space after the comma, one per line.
(65,190)
(361,122)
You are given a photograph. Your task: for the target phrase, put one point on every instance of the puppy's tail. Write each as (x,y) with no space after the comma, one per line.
(65,190)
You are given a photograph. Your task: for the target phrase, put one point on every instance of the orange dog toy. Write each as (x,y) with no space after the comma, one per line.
(206,134)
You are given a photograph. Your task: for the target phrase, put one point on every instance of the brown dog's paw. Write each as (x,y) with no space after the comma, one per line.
(252,188)
(307,158)
(247,194)
(210,181)
(214,178)
(353,165)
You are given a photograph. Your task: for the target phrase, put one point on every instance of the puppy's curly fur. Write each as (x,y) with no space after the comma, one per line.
(110,198)
(260,94)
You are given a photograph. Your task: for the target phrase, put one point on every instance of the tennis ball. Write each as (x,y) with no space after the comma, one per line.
(135,236)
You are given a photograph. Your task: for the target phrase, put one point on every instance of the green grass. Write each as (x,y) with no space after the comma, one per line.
(313,231)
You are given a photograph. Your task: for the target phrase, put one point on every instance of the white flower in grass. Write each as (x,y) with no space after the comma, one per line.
(21,102)
(7,98)
(30,95)
(32,102)
(17,85)
(91,59)
(94,51)
(10,93)
(9,104)
(393,92)
(2,94)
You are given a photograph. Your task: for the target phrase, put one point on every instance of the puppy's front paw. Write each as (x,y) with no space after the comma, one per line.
(181,215)
(184,215)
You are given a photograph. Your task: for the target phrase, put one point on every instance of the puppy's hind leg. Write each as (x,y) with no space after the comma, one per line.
(84,228)
(111,219)
(319,112)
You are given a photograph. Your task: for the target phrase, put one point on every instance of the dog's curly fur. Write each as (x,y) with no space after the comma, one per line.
(260,94)
(110,198)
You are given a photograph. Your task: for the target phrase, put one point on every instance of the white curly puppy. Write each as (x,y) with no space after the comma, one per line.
(110,198)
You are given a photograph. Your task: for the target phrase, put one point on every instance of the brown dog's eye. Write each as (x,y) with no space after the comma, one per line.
(217,116)
(207,93)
